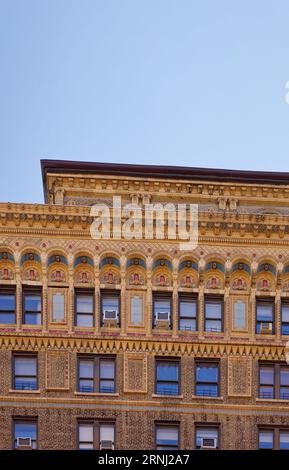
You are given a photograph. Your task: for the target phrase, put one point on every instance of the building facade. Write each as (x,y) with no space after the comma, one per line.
(136,343)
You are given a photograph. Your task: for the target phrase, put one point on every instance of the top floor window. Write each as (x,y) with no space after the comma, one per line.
(285,317)
(162,308)
(265,316)
(187,313)
(214,307)
(84,305)
(110,308)
(7,306)
(32,303)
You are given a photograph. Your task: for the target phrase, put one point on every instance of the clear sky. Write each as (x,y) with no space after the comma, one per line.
(177,82)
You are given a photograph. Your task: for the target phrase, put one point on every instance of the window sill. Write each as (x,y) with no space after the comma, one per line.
(196,397)
(172,397)
(272,400)
(95,394)
(11,390)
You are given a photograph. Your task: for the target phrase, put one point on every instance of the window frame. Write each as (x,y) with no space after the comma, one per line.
(277,367)
(165,360)
(189,298)
(113,293)
(19,354)
(162,295)
(33,291)
(212,299)
(207,363)
(9,290)
(24,419)
(265,301)
(96,423)
(79,291)
(215,426)
(284,302)
(276,435)
(167,424)
(96,372)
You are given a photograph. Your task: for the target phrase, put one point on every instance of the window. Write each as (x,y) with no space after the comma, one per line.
(84,303)
(25,433)
(187,313)
(265,316)
(136,310)
(96,374)
(32,303)
(274,381)
(96,435)
(285,318)
(110,308)
(207,379)
(207,437)
(214,314)
(58,306)
(25,372)
(167,437)
(7,306)
(240,315)
(162,308)
(274,438)
(167,377)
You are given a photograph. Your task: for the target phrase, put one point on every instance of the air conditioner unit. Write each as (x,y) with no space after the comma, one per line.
(110,314)
(163,316)
(266,328)
(208,443)
(106,445)
(24,442)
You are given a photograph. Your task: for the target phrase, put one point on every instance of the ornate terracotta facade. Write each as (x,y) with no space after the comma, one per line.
(242,256)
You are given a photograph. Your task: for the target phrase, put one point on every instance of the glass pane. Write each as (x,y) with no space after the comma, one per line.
(58,307)
(203,390)
(265,313)
(86,369)
(266,439)
(285,329)
(284,393)
(33,303)
(25,366)
(86,446)
(25,430)
(188,309)
(205,433)
(214,310)
(187,324)
(285,313)
(110,303)
(25,383)
(284,376)
(106,369)
(267,375)
(7,318)
(164,388)
(284,440)
(32,319)
(167,436)
(84,304)
(167,372)
(86,385)
(162,306)
(213,325)
(86,433)
(136,310)
(207,374)
(266,392)
(84,320)
(7,302)
(106,432)
(239,315)
(106,386)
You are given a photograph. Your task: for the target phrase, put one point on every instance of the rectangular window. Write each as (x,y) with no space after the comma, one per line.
(162,309)
(25,372)
(266,439)
(96,435)
(136,310)
(167,437)
(167,377)
(110,308)
(32,303)
(274,381)
(207,437)
(58,306)
(207,379)
(274,438)
(264,316)
(8,306)
(240,322)
(25,434)
(84,307)
(96,374)
(188,313)
(214,307)
(285,318)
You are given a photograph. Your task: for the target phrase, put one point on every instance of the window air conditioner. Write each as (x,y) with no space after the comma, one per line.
(162,316)
(266,328)
(110,314)
(23,442)
(106,445)
(208,443)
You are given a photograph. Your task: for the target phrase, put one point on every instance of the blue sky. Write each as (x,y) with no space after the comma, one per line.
(177,82)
